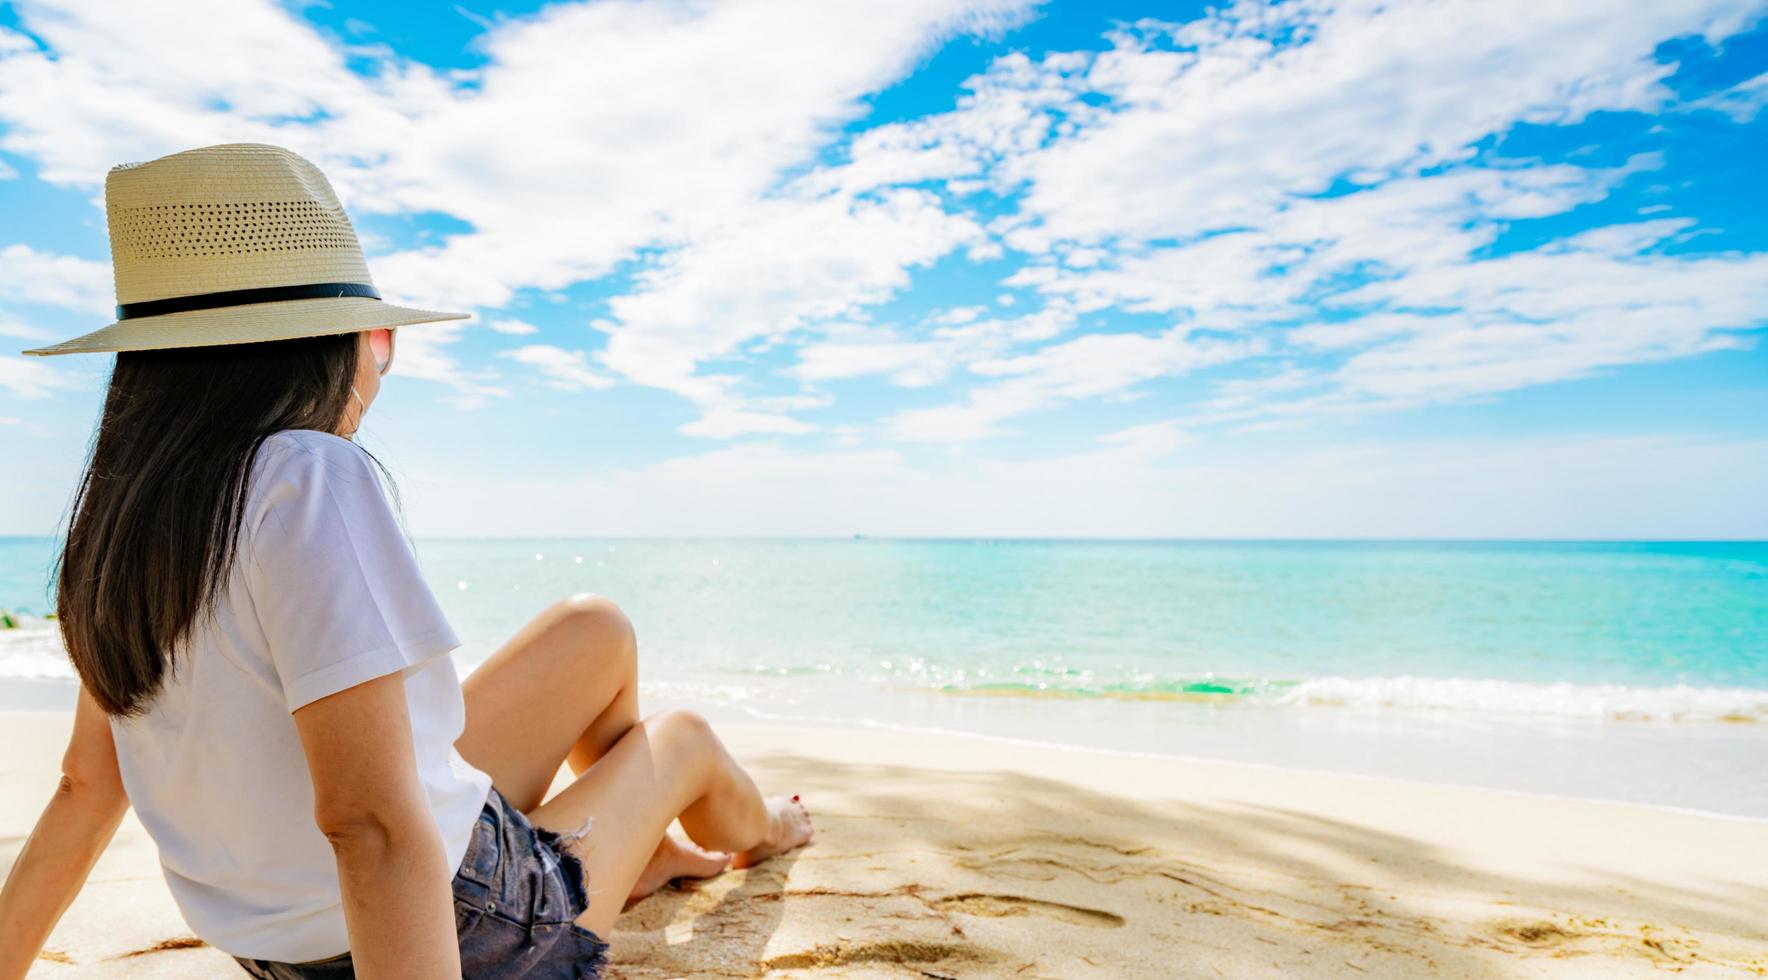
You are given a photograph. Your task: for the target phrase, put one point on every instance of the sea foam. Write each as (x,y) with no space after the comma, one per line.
(33,651)
(1595,702)
(1572,702)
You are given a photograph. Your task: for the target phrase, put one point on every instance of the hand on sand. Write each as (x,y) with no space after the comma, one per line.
(790,827)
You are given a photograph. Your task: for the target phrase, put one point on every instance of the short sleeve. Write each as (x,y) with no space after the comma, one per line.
(336,588)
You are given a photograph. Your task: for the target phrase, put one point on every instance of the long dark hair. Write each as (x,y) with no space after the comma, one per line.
(154,520)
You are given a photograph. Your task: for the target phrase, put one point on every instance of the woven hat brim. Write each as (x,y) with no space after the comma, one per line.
(282,320)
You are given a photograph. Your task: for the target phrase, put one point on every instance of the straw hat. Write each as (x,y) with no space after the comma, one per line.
(231,244)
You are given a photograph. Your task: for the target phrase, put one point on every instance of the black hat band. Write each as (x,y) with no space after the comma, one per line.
(244,297)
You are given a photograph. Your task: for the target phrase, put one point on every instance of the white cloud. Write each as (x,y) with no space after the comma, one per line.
(23,331)
(724,423)
(1193,192)
(1222,136)
(791,263)
(124,82)
(31,378)
(423,354)
(1085,367)
(567,369)
(674,147)
(1152,440)
(30,276)
(1276,264)
(951,340)
(593,131)
(1551,314)
(1741,101)
(1146,483)
(1425,316)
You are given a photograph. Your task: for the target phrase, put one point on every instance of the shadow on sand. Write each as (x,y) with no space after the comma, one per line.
(999,874)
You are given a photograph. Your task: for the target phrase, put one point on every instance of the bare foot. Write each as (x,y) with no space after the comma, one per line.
(790,828)
(674,859)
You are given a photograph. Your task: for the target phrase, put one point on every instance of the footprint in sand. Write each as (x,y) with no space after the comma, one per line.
(888,951)
(978,903)
(166,946)
(1530,932)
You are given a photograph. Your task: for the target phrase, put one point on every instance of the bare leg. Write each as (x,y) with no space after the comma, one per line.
(669,764)
(563,690)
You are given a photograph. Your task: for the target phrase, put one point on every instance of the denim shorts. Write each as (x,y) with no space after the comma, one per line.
(517,895)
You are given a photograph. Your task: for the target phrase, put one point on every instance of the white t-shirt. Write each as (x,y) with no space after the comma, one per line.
(324,595)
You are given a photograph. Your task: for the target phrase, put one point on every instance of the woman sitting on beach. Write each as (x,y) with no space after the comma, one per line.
(265,676)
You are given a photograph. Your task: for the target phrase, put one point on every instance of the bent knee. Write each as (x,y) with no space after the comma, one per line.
(681,723)
(597,616)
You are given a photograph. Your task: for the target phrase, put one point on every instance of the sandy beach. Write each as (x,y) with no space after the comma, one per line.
(954,857)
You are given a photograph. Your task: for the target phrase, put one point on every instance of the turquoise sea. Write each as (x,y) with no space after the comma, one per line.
(1620,670)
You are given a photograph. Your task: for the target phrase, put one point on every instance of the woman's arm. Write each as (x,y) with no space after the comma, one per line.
(397,886)
(73,831)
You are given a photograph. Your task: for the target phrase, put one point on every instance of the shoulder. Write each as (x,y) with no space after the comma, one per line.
(296,465)
(311,442)
(312,452)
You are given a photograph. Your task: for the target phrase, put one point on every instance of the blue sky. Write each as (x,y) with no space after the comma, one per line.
(1448,269)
